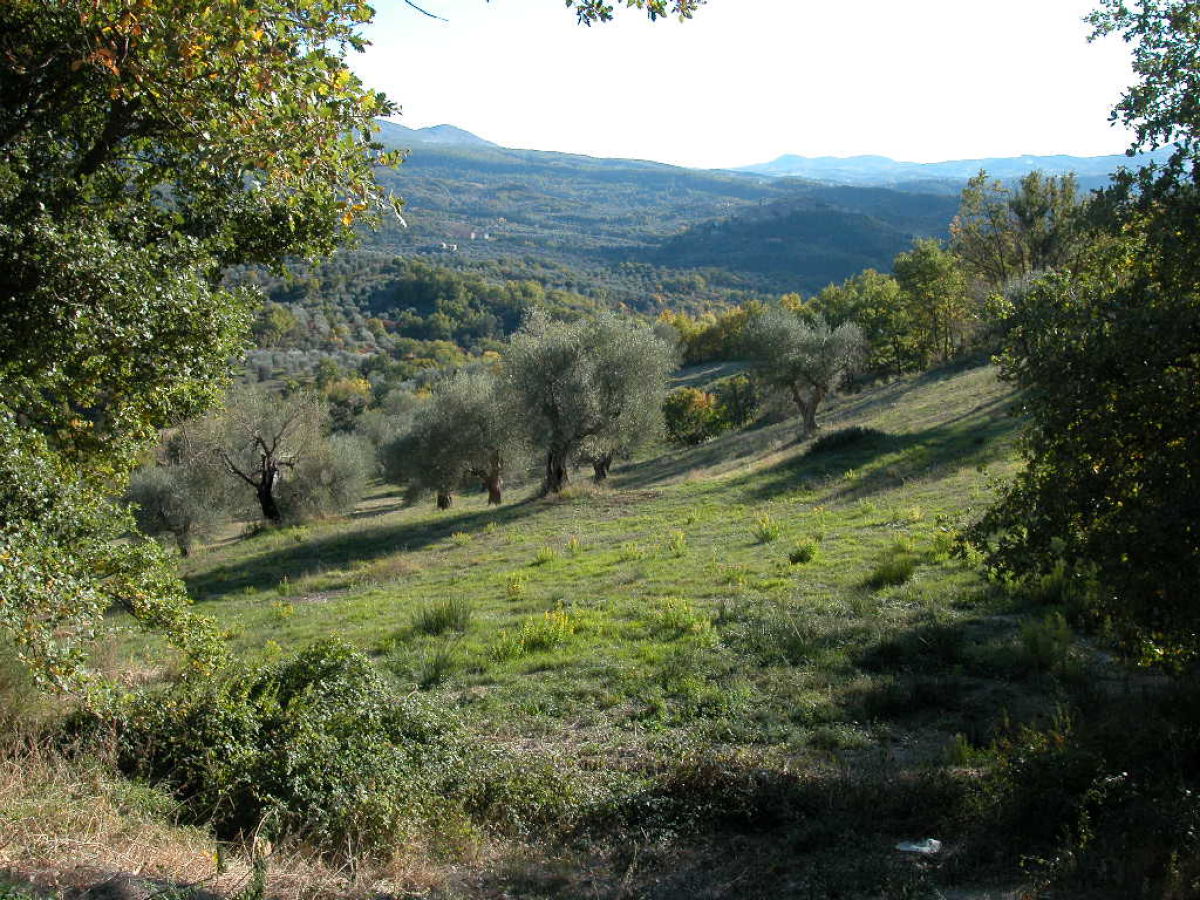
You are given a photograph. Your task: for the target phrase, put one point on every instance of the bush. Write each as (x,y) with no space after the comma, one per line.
(766,529)
(896,567)
(692,416)
(804,551)
(845,438)
(316,747)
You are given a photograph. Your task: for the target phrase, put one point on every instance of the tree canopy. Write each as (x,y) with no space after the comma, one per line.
(588,385)
(146,146)
(1107,358)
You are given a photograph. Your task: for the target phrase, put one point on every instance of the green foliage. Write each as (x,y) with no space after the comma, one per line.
(804,551)
(766,529)
(1002,234)
(853,436)
(806,360)
(878,305)
(316,747)
(1106,363)
(144,149)
(940,312)
(174,499)
(464,431)
(276,457)
(895,568)
(593,387)
(738,397)
(64,563)
(1046,644)
(692,416)
(1106,360)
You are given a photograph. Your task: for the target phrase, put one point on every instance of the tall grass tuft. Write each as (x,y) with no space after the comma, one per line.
(452,614)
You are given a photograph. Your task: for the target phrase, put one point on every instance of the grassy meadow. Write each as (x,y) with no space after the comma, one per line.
(748,668)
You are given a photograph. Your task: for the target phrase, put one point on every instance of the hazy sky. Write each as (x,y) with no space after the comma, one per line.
(748,80)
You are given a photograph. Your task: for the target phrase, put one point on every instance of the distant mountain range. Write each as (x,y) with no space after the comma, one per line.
(397,134)
(879,171)
(626,230)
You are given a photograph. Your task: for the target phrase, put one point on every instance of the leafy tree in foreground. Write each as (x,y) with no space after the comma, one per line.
(463,431)
(807,360)
(594,386)
(144,146)
(1107,360)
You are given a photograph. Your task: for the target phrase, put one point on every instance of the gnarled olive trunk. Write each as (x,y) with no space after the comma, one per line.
(494,485)
(556,472)
(808,404)
(444,500)
(265,489)
(600,466)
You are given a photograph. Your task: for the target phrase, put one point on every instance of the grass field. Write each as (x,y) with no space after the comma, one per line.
(766,657)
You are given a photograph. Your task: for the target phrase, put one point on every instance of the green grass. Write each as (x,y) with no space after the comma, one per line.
(803,610)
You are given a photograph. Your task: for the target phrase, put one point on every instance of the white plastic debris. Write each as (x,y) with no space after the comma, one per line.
(927,847)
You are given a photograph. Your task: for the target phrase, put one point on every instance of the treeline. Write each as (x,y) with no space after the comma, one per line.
(942,299)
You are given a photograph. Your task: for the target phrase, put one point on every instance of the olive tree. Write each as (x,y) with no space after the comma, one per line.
(594,387)
(463,431)
(807,359)
(280,450)
(176,499)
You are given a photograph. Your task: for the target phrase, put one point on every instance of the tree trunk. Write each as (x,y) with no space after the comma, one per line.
(444,500)
(266,496)
(494,485)
(556,472)
(600,466)
(808,412)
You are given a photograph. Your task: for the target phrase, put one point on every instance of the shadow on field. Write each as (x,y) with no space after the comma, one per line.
(725,450)
(970,439)
(308,555)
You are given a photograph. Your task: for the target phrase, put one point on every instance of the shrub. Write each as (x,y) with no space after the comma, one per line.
(738,396)
(676,616)
(804,551)
(317,747)
(896,567)
(1046,644)
(692,416)
(453,614)
(514,586)
(845,438)
(677,544)
(550,630)
(766,529)
(436,667)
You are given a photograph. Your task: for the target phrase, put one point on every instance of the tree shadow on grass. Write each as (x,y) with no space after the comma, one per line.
(724,451)
(344,548)
(879,461)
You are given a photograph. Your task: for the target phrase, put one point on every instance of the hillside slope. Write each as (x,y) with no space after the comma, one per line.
(728,641)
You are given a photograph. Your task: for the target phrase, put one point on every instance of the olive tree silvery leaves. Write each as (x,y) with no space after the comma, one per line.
(464,432)
(592,387)
(804,358)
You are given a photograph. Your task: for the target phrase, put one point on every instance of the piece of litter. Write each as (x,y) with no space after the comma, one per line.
(927,847)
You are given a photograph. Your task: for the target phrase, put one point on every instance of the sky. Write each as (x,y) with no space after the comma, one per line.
(748,80)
